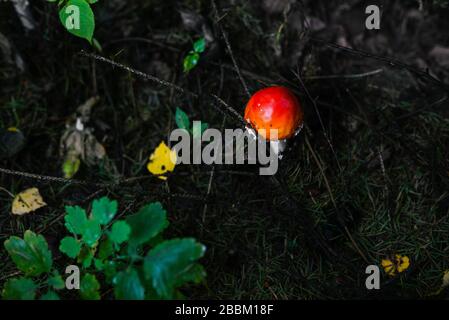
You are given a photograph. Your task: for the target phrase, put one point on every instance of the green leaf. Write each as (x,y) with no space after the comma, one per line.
(190,61)
(50,295)
(182,120)
(89,287)
(70,246)
(109,271)
(30,254)
(91,232)
(196,134)
(19,289)
(56,282)
(195,274)
(165,265)
(128,285)
(77,17)
(99,264)
(85,257)
(120,232)
(199,45)
(104,210)
(70,166)
(148,222)
(75,219)
(106,249)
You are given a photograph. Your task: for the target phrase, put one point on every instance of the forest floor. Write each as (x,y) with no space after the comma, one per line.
(369,171)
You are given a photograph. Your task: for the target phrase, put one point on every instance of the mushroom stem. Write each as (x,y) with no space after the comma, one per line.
(278,146)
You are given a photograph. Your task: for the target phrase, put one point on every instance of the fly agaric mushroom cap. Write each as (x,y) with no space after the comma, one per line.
(274,108)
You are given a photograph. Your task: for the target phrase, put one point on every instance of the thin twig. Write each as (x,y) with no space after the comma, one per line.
(228,46)
(171,85)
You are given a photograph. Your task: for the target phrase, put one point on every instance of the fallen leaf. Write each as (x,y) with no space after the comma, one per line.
(78,142)
(162,160)
(27,201)
(445,279)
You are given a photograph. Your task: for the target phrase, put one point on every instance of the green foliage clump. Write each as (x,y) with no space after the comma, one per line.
(130,256)
(193,57)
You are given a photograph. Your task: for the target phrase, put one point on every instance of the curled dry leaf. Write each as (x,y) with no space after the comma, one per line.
(27,201)
(78,142)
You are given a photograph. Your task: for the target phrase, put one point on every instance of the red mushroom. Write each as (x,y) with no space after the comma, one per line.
(275,108)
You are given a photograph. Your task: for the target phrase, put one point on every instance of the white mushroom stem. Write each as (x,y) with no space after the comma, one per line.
(278,147)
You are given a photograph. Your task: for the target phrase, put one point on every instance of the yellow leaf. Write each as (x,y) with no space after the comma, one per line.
(27,201)
(403,262)
(162,160)
(388,266)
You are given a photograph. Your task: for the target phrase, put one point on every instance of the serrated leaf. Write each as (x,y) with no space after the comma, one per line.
(199,45)
(85,257)
(50,295)
(148,222)
(75,219)
(89,287)
(165,264)
(19,289)
(30,254)
(106,249)
(56,282)
(91,232)
(182,119)
(104,210)
(120,232)
(70,246)
(190,61)
(128,285)
(78,19)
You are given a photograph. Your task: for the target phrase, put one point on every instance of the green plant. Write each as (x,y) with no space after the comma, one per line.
(192,58)
(78,18)
(130,256)
(183,122)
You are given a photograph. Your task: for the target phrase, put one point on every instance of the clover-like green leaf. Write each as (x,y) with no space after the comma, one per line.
(19,289)
(70,246)
(75,219)
(106,249)
(85,257)
(182,120)
(104,210)
(165,265)
(148,222)
(50,295)
(128,285)
(30,254)
(77,17)
(89,287)
(91,232)
(56,281)
(120,232)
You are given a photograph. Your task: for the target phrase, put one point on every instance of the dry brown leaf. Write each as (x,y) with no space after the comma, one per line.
(27,201)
